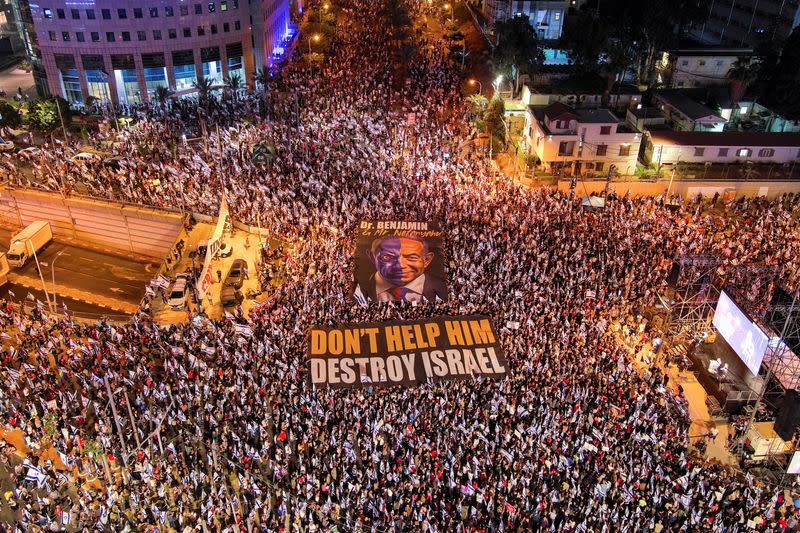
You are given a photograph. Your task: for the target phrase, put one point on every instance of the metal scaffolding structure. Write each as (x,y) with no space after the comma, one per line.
(692,297)
(781,358)
(751,287)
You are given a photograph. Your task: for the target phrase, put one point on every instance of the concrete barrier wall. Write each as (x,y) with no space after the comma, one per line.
(143,231)
(686,188)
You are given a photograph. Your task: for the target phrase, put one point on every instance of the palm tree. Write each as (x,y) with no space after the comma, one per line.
(203,88)
(263,77)
(234,83)
(742,73)
(619,58)
(162,94)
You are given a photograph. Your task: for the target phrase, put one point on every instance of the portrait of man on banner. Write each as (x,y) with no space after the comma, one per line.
(404,265)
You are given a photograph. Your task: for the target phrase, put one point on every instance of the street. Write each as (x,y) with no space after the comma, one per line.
(87,281)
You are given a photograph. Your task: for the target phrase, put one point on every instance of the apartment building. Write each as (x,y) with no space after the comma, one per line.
(747,22)
(671,147)
(546,16)
(700,67)
(581,141)
(122,50)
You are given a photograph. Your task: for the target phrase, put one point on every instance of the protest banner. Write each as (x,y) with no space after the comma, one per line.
(399,261)
(405,352)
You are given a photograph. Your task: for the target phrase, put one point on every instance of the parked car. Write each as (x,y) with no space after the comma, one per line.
(177,296)
(230,297)
(235,277)
(224,250)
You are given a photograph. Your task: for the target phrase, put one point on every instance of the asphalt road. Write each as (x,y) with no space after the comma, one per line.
(80,270)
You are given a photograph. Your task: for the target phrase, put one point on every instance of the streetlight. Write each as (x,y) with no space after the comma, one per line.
(473,81)
(326,6)
(53,272)
(315,38)
(449,8)
(497,82)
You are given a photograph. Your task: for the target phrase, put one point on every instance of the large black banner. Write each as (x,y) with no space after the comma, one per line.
(399,260)
(405,353)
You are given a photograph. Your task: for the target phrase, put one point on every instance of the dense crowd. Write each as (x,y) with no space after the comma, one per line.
(222,429)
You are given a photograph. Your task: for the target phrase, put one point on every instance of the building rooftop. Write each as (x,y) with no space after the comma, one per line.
(711,50)
(725,138)
(686,105)
(597,116)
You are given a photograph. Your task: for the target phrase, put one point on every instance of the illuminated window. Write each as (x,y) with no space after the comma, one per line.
(48,13)
(744,152)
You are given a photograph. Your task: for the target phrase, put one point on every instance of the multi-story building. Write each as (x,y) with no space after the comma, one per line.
(672,147)
(685,114)
(546,16)
(122,50)
(582,141)
(700,67)
(747,22)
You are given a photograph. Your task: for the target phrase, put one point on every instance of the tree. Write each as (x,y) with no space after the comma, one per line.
(476,103)
(234,83)
(9,117)
(43,116)
(780,91)
(583,38)
(203,87)
(263,77)
(162,94)
(517,51)
(618,59)
(742,73)
(494,118)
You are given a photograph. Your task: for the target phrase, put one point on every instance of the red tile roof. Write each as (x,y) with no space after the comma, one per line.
(725,138)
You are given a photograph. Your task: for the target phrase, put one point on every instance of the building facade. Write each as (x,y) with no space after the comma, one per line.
(685,114)
(747,22)
(582,141)
(700,67)
(546,16)
(123,51)
(672,147)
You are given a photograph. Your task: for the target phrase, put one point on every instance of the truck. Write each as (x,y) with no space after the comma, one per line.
(28,241)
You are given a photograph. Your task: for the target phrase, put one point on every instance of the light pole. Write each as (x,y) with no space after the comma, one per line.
(53,272)
(473,81)
(449,7)
(315,38)
(41,277)
(496,84)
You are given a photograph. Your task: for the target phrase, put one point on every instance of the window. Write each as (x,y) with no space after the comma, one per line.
(599,166)
(141,35)
(685,63)
(76,14)
(52,35)
(169,11)
(156,35)
(565,148)
(223,6)
(126,36)
(605,130)
(237,25)
(235,4)
(137,12)
(184,11)
(106,14)
(80,37)
(198,9)
(557,15)
(65,36)
(90,14)
(601,150)
(47,13)
(172,33)
(201,31)
(187,32)
(213,29)
(226,27)
(61,14)
(766,152)
(211,7)
(723,152)
(95,37)
(122,14)
(719,63)
(110,36)
(153,12)
(698,152)
(743,152)
(625,150)
(702,63)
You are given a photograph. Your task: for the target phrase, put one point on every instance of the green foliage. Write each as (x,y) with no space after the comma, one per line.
(477,103)
(517,51)
(584,37)
(162,94)
(9,116)
(43,114)
(93,449)
(494,117)
(263,77)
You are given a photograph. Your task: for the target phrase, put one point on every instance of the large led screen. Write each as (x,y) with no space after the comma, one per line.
(745,337)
